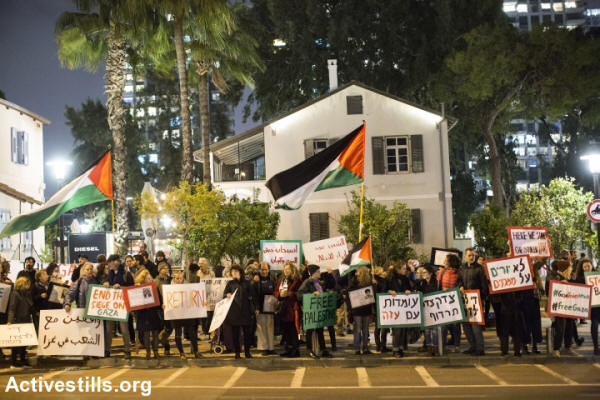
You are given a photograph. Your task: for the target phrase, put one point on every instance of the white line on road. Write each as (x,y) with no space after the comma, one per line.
(298,377)
(115,374)
(173,376)
(234,378)
(52,374)
(556,374)
(490,375)
(363,377)
(429,381)
(597,365)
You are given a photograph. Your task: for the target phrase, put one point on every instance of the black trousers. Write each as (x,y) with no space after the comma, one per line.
(290,335)
(381,337)
(320,338)
(331,330)
(247,330)
(191,332)
(563,329)
(532,333)
(17,351)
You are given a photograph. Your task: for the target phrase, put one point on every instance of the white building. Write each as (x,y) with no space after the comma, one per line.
(21,176)
(406,160)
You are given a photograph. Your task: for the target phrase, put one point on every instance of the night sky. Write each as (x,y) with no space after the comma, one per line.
(32,77)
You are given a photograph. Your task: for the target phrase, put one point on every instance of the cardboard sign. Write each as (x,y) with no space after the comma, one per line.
(66,270)
(400,311)
(326,253)
(534,241)
(443,308)
(361,297)
(214,287)
(184,301)
(593,279)
(17,335)
(105,303)
(279,252)
(269,302)
(70,333)
(509,274)
(569,300)
(221,311)
(438,255)
(319,311)
(57,293)
(141,296)
(4,297)
(473,307)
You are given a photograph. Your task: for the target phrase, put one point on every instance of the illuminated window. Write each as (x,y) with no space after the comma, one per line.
(522,8)
(570,4)
(546,6)
(558,7)
(509,7)
(152,111)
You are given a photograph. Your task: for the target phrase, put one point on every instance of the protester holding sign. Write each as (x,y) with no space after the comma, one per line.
(509,320)
(289,309)
(4,271)
(148,321)
(586,269)
(472,277)
(263,285)
(78,292)
(530,307)
(40,296)
(241,311)
(117,279)
(20,310)
(161,279)
(429,285)
(399,283)
(188,326)
(361,315)
(560,270)
(380,281)
(447,278)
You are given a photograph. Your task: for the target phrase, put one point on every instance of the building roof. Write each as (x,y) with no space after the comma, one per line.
(258,129)
(22,110)
(18,195)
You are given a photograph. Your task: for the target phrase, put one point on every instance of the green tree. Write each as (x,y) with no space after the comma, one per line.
(388,227)
(561,207)
(489,226)
(465,199)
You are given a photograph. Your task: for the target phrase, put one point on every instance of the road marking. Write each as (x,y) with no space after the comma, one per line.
(597,365)
(429,381)
(115,374)
(173,376)
(363,377)
(52,374)
(556,374)
(490,375)
(298,377)
(435,396)
(234,378)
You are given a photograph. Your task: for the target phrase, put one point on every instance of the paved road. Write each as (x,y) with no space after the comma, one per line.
(531,381)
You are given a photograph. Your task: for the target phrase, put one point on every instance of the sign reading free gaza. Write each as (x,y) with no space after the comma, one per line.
(569,300)
(319,311)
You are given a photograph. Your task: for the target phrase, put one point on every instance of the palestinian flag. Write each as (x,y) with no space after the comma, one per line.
(341,164)
(91,187)
(358,257)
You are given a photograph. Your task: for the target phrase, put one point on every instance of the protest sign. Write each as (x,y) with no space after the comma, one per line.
(269,303)
(509,274)
(57,293)
(439,255)
(400,311)
(593,279)
(569,300)
(326,253)
(63,333)
(443,308)
(184,301)
(215,287)
(140,296)
(17,335)
(221,310)
(279,252)
(4,296)
(361,297)
(319,311)
(473,307)
(65,271)
(534,241)
(105,303)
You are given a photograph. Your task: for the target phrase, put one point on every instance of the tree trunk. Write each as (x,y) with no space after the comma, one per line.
(114,82)
(205,124)
(495,166)
(186,127)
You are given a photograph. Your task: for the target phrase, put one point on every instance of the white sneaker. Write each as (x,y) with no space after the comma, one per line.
(15,367)
(556,353)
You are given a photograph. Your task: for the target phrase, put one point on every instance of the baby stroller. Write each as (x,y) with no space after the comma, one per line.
(216,344)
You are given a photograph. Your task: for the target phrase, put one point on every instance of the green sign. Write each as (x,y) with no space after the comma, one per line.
(319,311)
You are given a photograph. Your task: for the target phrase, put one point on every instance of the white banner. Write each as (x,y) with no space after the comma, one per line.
(17,335)
(593,279)
(326,253)
(214,291)
(361,297)
(509,274)
(105,303)
(184,301)
(399,311)
(4,297)
(57,293)
(64,333)
(473,307)
(279,252)
(442,308)
(534,241)
(221,310)
(569,300)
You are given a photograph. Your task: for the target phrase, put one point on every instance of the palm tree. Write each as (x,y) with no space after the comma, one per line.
(100,31)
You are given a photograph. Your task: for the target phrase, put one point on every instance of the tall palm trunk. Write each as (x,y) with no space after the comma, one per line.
(186,126)
(205,124)
(114,77)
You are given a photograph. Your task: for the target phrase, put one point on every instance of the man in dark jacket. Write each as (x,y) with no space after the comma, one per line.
(83,258)
(472,277)
(118,277)
(28,270)
(399,283)
(263,285)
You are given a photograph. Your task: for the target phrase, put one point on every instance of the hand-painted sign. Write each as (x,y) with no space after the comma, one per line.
(509,274)
(400,311)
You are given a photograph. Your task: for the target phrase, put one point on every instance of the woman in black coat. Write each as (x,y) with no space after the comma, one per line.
(148,321)
(20,311)
(241,311)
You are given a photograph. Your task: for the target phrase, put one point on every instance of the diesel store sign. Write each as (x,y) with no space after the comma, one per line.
(90,244)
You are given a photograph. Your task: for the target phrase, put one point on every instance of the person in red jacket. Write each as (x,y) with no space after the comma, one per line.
(285,291)
(447,278)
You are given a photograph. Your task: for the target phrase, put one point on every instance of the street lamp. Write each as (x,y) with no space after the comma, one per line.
(60,168)
(592,156)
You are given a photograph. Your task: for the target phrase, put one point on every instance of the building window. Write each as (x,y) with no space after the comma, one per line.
(354,105)
(19,146)
(319,226)
(28,241)
(5,244)
(319,145)
(396,154)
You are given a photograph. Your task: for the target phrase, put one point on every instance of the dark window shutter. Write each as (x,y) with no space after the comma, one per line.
(13,145)
(354,105)
(308,148)
(416,233)
(319,226)
(324,225)
(314,226)
(378,150)
(416,150)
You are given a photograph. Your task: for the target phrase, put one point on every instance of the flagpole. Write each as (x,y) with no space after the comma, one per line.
(112,214)
(362,194)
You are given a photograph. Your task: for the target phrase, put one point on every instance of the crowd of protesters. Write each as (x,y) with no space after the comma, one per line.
(268,304)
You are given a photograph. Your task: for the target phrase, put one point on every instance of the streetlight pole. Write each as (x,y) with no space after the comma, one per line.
(597,196)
